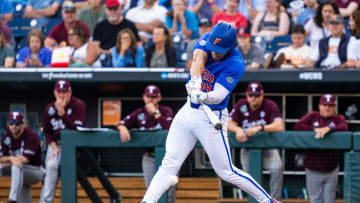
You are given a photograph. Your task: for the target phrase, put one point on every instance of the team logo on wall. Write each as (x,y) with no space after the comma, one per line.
(316,123)
(243,109)
(141,117)
(51,111)
(69,111)
(7,141)
(262,114)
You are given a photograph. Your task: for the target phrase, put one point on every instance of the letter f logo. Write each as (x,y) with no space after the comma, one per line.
(217,40)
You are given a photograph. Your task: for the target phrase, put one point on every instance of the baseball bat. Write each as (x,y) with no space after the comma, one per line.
(212,117)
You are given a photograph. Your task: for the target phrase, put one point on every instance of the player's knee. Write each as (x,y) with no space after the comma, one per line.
(15,170)
(52,165)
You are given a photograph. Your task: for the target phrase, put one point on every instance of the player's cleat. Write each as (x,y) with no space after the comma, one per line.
(274,201)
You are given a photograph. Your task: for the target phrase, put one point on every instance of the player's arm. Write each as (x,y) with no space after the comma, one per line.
(216,96)
(305,123)
(77,117)
(198,63)
(276,126)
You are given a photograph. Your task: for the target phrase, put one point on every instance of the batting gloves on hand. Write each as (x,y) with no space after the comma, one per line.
(197,95)
(193,84)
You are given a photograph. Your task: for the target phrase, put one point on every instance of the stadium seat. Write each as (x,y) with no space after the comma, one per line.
(180,46)
(20,44)
(22,26)
(19,9)
(278,43)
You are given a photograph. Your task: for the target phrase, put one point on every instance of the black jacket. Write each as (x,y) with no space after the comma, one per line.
(170,52)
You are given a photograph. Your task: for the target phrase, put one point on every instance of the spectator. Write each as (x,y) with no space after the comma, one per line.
(322,166)
(126,53)
(334,51)
(231,15)
(79,41)
(66,112)
(92,14)
(182,20)
(271,23)
(42,9)
(152,116)
(297,55)
(80,4)
(205,26)
(250,8)
(258,114)
(252,53)
(6,11)
(346,8)
(161,53)
(7,54)
(206,8)
(354,24)
(147,17)
(58,34)
(34,54)
(5,30)
(319,27)
(308,12)
(20,150)
(293,8)
(114,23)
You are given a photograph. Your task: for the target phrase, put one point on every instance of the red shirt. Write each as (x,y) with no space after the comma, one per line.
(321,160)
(27,145)
(236,20)
(59,32)
(52,123)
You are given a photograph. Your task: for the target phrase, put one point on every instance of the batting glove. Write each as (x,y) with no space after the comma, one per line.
(197,95)
(193,84)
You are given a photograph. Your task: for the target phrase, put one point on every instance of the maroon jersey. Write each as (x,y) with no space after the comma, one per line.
(52,123)
(267,113)
(140,119)
(321,160)
(27,145)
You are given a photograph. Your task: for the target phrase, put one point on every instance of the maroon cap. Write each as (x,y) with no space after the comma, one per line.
(327,99)
(62,85)
(254,88)
(112,3)
(152,91)
(16,116)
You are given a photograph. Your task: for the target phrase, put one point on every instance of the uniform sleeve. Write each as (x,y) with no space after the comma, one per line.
(231,76)
(47,130)
(166,118)
(200,44)
(274,112)
(31,146)
(341,124)
(131,121)
(235,113)
(305,123)
(4,148)
(77,117)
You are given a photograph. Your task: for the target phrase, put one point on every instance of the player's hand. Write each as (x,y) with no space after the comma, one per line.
(240,135)
(321,132)
(150,108)
(252,131)
(124,134)
(60,106)
(193,84)
(196,95)
(56,151)
(17,161)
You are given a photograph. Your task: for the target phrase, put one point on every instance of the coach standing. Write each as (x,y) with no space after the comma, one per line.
(66,112)
(322,166)
(252,115)
(20,149)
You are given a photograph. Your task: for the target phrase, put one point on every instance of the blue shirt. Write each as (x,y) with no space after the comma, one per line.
(205,9)
(258,5)
(39,4)
(192,23)
(128,60)
(304,16)
(227,72)
(5,7)
(44,55)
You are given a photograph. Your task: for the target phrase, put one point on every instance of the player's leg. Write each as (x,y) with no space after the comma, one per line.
(330,186)
(216,145)
(25,196)
(179,143)
(314,185)
(272,162)
(17,180)
(244,156)
(51,177)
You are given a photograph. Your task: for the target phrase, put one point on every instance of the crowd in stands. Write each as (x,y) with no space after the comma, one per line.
(288,34)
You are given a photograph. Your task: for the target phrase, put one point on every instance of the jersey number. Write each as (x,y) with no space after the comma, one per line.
(207,76)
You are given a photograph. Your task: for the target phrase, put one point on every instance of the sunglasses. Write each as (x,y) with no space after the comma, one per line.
(17,123)
(254,95)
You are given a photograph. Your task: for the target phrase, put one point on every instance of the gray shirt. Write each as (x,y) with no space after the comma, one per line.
(255,54)
(5,52)
(158,60)
(190,47)
(90,18)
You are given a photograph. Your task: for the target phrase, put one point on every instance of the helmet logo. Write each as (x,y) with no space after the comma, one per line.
(217,40)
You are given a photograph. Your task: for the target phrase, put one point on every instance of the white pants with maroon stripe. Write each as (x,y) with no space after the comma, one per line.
(189,126)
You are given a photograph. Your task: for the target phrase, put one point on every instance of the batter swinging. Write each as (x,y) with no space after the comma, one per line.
(216,69)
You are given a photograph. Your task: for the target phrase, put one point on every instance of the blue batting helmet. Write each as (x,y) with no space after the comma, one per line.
(222,38)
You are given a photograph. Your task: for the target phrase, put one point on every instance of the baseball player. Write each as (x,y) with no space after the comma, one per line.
(216,68)
(150,117)
(20,149)
(252,115)
(67,112)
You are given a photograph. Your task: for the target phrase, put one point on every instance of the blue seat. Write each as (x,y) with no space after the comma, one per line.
(278,43)
(180,46)
(20,44)
(22,26)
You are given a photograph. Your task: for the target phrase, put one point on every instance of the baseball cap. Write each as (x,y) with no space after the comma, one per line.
(244,32)
(222,38)
(254,88)
(68,6)
(112,3)
(205,22)
(327,99)
(152,91)
(336,19)
(62,85)
(16,116)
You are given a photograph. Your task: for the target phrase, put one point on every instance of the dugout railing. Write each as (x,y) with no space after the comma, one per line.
(348,141)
